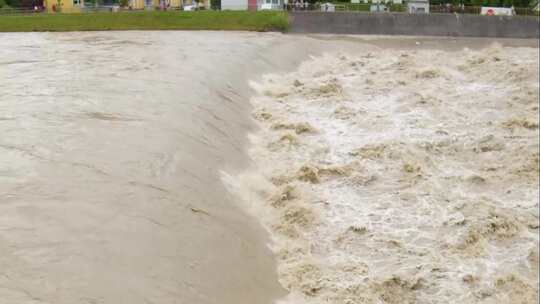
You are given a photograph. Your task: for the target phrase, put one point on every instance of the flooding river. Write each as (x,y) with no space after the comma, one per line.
(110,147)
(401,175)
(127,174)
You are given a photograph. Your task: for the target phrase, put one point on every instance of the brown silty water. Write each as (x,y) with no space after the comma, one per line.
(110,145)
(125,175)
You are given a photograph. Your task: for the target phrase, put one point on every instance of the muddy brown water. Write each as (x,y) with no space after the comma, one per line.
(111,148)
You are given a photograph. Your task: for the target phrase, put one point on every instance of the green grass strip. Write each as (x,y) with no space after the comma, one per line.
(155,20)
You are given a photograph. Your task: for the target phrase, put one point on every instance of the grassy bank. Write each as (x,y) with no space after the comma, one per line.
(201,20)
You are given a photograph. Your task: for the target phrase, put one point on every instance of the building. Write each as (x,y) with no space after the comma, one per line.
(378,8)
(381,1)
(253,5)
(418,6)
(74,6)
(168,4)
(66,6)
(154,4)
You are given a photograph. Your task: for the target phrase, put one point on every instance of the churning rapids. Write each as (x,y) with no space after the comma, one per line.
(247,168)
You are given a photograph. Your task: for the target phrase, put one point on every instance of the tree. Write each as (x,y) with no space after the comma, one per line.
(13,3)
(215,4)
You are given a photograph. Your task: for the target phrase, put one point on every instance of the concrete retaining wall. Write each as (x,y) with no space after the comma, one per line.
(405,24)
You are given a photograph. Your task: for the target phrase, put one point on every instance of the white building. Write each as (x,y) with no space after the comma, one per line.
(418,6)
(383,1)
(253,5)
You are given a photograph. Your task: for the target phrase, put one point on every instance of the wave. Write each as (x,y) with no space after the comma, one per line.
(400,176)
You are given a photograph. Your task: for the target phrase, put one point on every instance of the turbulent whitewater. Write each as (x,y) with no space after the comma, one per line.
(385,170)
(400,176)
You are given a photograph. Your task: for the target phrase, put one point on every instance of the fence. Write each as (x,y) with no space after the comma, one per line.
(20,11)
(468,9)
(364,7)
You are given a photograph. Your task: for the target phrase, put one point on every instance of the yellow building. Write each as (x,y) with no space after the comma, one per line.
(136,4)
(75,6)
(145,4)
(64,6)
(169,4)
(175,3)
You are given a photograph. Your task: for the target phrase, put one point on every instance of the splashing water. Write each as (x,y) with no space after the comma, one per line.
(400,176)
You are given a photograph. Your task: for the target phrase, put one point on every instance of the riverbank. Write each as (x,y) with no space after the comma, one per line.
(353,23)
(155,20)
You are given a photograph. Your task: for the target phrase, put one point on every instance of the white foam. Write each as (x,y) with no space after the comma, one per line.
(420,208)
